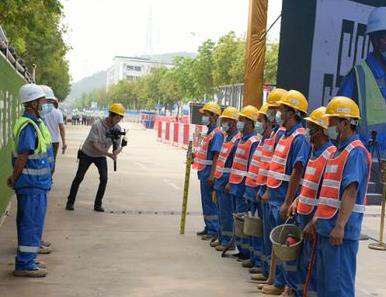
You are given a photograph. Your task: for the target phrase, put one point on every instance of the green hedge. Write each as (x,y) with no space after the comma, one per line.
(10,83)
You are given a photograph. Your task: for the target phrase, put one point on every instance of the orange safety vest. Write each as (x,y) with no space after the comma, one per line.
(223,157)
(265,160)
(254,167)
(240,162)
(200,158)
(307,198)
(276,174)
(329,198)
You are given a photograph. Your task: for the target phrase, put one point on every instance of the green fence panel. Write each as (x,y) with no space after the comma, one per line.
(10,82)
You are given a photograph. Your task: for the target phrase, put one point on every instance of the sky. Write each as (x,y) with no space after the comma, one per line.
(98,30)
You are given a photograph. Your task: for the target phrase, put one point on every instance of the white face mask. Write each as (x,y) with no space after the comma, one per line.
(240,126)
(205,120)
(225,126)
(333,132)
(270,115)
(259,127)
(278,119)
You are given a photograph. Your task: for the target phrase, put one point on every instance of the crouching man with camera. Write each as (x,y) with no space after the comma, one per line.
(104,133)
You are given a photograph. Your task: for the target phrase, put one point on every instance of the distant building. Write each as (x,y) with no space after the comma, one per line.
(130,68)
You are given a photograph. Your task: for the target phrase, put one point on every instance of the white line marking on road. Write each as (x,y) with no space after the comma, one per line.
(174,186)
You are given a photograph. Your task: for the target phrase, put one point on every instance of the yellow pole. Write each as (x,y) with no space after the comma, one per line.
(381,246)
(255,52)
(186,188)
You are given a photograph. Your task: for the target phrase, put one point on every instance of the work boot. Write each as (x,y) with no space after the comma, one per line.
(41,264)
(202,233)
(45,250)
(220,248)
(272,290)
(247,263)
(70,206)
(258,277)
(255,270)
(207,237)
(214,243)
(288,292)
(45,243)
(99,209)
(37,272)
(240,257)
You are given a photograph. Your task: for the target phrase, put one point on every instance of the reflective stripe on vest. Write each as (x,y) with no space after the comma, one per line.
(266,158)
(200,160)
(254,167)
(224,155)
(329,198)
(311,182)
(277,166)
(240,162)
(36,172)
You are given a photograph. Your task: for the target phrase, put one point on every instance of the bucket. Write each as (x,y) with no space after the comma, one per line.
(279,237)
(253,226)
(238,220)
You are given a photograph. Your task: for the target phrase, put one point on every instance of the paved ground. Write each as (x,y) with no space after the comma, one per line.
(132,254)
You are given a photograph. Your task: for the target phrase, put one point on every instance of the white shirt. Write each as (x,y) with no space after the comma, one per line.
(53,119)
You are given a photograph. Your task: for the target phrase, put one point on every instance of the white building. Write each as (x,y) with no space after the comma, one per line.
(130,68)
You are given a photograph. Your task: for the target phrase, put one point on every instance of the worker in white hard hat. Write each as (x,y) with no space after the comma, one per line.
(31,180)
(366,83)
(54,120)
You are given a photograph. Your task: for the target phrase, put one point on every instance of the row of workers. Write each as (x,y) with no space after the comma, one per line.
(266,163)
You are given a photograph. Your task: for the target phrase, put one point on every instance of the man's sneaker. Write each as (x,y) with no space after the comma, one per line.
(41,264)
(258,277)
(288,292)
(202,233)
(215,243)
(272,290)
(37,272)
(99,209)
(255,270)
(240,257)
(220,248)
(44,250)
(247,263)
(207,237)
(45,243)
(70,206)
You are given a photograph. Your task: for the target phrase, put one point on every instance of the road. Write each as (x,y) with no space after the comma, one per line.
(134,249)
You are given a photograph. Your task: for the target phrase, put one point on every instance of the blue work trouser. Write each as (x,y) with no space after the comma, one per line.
(209,208)
(267,245)
(31,212)
(336,268)
(225,204)
(274,221)
(243,244)
(256,242)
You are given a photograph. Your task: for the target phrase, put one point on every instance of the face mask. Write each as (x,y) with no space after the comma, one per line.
(259,127)
(225,127)
(240,126)
(46,109)
(270,115)
(205,120)
(279,121)
(333,132)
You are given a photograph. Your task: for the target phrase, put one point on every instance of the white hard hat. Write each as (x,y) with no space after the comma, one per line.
(30,92)
(48,91)
(377,20)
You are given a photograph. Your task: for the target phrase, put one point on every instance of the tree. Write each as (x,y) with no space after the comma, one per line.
(271,61)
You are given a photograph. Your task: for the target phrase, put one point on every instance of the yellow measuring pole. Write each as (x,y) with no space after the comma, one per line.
(186,188)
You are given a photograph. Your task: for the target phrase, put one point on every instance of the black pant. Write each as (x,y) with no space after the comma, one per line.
(84,163)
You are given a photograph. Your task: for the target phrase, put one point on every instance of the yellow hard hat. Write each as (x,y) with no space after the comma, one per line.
(117,108)
(275,96)
(318,117)
(230,113)
(263,110)
(211,107)
(249,112)
(343,107)
(295,100)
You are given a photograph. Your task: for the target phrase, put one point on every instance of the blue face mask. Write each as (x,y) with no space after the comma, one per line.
(46,109)
(240,126)
(205,120)
(259,127)
(225,126)
(333,133)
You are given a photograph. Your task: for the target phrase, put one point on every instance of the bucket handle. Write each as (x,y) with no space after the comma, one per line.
(282,228)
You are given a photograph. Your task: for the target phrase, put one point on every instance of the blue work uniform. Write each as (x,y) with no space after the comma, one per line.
(225,201)
(210,208)
(305,256)
(349,88)
(31,192)
(299,153)
(240,203)
(337,264)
